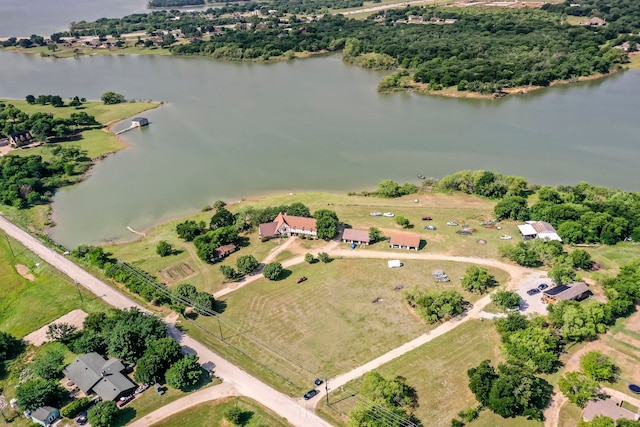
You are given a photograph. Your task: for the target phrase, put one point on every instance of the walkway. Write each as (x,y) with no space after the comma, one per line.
(192,399)
(244,383)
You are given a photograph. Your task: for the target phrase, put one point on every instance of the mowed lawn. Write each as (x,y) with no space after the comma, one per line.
(329,324)
(28,305)
(438,372)
(212,414)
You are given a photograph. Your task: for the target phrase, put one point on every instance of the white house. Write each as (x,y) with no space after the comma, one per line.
(288,225)
(538,230)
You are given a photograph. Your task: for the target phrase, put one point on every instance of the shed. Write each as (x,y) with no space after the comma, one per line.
(222,251)
(394,263)
(22,138)
(139,121)
(538,230)
(405,241)
(360,237)
(45,415)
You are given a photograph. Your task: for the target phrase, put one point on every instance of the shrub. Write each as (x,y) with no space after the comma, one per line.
(272,271)
(75,407)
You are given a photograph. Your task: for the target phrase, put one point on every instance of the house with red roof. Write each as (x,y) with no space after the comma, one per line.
(289,225)
(405,241)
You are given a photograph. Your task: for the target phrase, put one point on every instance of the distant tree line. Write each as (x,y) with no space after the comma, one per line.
(173,3)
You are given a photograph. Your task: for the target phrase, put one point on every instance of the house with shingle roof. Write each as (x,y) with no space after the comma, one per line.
(22,138)
(288,225)
(538,230)
(93,374)
(575,291)
(360,237)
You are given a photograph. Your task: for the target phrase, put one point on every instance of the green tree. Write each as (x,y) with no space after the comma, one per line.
(578,387)
(48,365)
(478,280)
(375,235)
(87,342)
(309,258)
(436,306)
(402,221)
(228,272)
(57,101)
(548,194)
(10,346)
(326,224)
(110,98)
(38,392)
(517,391)
(149,369)
(512,208)
(324,257)
(272,271)
(571,232)
(388,188)
(563,272)
(481,380)
(30,99)
(235,415)
(222,218)
(536,347)
(298,209)
(102,414)
(506,299)
(185,372)
(204,303)
(580,321)
(598,366)
(164,248)
(189,229)
(599,421)
(581,259)
(247,264)
(62,332)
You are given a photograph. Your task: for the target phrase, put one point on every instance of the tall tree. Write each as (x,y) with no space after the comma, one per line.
(326,223)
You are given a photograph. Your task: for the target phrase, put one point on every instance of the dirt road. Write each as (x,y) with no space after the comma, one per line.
(244,383)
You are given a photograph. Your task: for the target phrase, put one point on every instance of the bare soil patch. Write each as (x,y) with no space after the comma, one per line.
(75,318)
(176,272)
(23,270)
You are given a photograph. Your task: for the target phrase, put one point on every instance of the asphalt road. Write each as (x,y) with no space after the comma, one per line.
(244,383)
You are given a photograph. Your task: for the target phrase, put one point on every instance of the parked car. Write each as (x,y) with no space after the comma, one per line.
(124,400)
(427,218)
(81,419)
(491,226)
(301,279)
(505,237)
(533,291)
(542,286)
(142,388)
(452,223)
(465,232)
(375,214)
(430,227)
(317,382)
(308,395)
(389,214)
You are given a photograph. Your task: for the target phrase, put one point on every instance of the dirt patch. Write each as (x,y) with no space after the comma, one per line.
(633,324)
(75,318)
(176,272)
(23,270)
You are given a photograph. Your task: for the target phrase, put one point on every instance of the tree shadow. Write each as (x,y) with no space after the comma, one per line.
(285,274)
(220,306)
(423,244)
(243,241)
(124,416)
(203,381)
(245,418)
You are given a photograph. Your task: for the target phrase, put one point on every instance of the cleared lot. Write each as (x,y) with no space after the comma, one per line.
(533,303)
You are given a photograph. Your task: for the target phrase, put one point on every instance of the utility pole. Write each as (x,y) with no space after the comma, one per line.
(326,390)
(79,293)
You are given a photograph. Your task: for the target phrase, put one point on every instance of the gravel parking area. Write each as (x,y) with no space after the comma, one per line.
(75,318)
(533,303)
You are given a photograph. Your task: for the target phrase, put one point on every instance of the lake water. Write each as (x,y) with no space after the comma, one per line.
(21,18)
(235,130)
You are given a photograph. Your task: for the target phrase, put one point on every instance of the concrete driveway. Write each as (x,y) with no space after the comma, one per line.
(532,303)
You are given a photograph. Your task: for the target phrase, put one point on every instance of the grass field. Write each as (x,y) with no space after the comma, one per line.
(212,414)
(64,52)
(328,324)
(438,372)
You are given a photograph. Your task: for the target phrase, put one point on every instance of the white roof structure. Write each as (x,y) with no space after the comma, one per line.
(540,230)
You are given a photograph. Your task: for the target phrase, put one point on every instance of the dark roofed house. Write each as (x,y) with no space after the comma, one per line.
(45,415)
(139,121)
(361,237)
(93,374)
(575,291)
(20,139)
(405,241)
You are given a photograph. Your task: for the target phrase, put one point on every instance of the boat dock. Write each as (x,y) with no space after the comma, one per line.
(136,122)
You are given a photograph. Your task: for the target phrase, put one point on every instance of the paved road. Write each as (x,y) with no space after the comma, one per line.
(244,383)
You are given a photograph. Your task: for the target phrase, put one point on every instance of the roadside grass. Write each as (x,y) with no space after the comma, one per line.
(328,324)
(70,52)
(213,414)
(438,372)
(570,415)
(26,306)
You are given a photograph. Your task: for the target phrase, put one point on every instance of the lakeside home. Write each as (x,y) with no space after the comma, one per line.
(288,225)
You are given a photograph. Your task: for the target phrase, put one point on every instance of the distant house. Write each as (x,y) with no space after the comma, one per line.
(288,225)
(360,237)
(405,241)
(20,139)
(609,408)
(93,374)
(594,22)
(223,251)
(139,121)
(575,291)
(538,230)
(45,415)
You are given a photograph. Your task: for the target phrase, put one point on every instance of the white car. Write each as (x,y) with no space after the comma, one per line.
(505,237)
(388,214)
(375,214)
(452,223)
